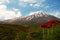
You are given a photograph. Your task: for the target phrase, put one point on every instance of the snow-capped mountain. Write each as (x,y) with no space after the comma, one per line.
(39,17)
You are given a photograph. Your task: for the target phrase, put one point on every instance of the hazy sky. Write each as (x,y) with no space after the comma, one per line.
(17,8)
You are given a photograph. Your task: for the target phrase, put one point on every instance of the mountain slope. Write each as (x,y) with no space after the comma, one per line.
(35,18)
(39,17)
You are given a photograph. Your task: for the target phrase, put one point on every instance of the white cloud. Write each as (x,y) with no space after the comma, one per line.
(28,1)
(22,4)
(55,13)
(14,9)
(4,1)
(36,5)
(8,14)
(47,6)
(18,14)
(33,3)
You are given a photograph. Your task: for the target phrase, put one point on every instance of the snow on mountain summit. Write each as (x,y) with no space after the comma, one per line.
(36,15)
(39,17)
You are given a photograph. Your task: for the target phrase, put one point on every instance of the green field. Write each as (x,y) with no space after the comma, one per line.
(25,32)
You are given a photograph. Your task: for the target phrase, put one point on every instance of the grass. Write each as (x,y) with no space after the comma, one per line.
(25,32)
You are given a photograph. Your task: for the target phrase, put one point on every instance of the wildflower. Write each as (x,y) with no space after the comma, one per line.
(46,25)
(49,25)
(43,25)
(52,21)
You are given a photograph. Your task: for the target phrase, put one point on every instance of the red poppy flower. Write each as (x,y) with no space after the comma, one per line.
(52,21)
(49,25)
(43,25)
(46,25)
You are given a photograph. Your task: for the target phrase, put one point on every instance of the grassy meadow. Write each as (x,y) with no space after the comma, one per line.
(29,32)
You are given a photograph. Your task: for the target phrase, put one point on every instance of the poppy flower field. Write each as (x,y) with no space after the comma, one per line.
(44,31)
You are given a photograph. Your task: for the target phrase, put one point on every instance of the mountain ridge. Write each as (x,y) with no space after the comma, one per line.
(39,17)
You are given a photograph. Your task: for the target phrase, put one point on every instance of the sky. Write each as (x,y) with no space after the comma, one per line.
(19,8)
